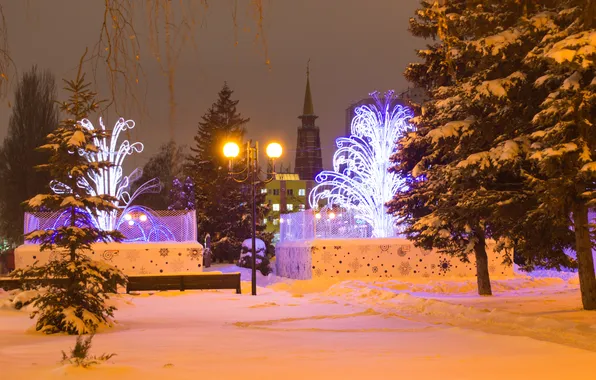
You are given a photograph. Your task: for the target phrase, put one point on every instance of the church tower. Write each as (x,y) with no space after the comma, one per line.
(309,162)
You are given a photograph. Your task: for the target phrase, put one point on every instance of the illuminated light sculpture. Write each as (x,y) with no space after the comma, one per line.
(360,180)
(111,181)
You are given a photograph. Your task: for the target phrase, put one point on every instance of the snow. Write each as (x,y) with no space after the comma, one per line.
(572,83)
(259,245)
(555,152)
(77,139)
(451,129)
(506,151)
(322,329)
(578,47)
(499,87)
(498,42)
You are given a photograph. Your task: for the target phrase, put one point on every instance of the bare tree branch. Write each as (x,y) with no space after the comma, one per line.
(117,52)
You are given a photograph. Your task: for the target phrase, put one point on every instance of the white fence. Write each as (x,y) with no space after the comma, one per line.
(138,225)
(323,224)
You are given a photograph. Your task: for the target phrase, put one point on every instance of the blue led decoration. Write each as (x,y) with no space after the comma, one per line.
(360,181)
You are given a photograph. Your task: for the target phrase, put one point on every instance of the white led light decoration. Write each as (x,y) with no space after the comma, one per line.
(360,180)
(110,180)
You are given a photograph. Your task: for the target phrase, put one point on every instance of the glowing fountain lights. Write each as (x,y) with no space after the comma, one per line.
(360,180)
(111,181)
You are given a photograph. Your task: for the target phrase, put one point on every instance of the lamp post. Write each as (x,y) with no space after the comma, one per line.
(250,174)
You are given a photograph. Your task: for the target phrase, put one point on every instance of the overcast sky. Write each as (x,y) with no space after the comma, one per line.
(355,47)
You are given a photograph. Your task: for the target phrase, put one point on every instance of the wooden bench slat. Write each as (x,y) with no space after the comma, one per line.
(185,281)
(158,282)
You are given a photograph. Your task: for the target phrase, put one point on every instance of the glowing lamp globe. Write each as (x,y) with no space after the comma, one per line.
(274,150)
(143,218)
(131,223)
(127,217)
(231,150)
(331,215)
(318,216)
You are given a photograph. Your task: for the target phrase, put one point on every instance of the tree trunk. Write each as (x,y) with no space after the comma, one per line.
(482,275)
(585,260)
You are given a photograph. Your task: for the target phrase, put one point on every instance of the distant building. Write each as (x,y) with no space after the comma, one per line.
(309,161)
(286,193)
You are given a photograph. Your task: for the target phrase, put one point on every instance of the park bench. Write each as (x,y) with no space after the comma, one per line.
(180,282)
(183,282)
(10,283)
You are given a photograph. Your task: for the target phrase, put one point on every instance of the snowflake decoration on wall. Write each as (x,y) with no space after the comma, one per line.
(132,256)
(405,268)
(360,180)
(194,254)
(444,265)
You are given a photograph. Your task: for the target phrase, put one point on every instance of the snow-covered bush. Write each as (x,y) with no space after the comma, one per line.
(79,355)
(262,260)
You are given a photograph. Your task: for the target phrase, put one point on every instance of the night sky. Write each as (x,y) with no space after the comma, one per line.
(355,47)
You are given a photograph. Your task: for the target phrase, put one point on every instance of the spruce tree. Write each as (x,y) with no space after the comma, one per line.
(34,115)
(80,306)
(223,206)
(182,195)
(562,135)
(166,165)
(465,173)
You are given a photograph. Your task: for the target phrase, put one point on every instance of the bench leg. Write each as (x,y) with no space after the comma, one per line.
(238,290)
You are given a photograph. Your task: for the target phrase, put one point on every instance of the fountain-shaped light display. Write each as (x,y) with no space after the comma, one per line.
(360,181)
(111,181)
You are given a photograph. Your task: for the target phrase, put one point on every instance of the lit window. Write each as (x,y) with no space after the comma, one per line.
(265,221)
(302,192)
(275,221)
(275,208)
(290,207)
(290,191)
(263,191)
(301,207)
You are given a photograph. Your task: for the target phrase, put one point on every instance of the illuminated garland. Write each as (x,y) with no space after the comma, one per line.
(110,180)
(360,180)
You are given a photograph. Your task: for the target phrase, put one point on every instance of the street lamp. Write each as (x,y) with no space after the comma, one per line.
(250,174)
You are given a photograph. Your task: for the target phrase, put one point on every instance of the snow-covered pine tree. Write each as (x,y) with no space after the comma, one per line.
(464,183)
(80,306)
(223,206)
(563,132)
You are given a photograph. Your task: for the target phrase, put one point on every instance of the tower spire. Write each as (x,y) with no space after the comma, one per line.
(308,107)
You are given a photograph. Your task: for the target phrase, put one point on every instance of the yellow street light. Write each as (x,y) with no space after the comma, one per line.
(274,150)
(231,150)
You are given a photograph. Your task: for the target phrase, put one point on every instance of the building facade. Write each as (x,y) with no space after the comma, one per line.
(286,193)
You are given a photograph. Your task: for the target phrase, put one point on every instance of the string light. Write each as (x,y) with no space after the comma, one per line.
(110,180)
(360,180)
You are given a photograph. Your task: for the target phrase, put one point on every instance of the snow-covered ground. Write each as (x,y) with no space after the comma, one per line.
(532,328)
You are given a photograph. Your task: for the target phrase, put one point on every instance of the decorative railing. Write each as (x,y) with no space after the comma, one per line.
(322,224)
(138,224)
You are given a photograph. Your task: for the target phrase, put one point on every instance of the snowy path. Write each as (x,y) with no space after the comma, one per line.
(352,330)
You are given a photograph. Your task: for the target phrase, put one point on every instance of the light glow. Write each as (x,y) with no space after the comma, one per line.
(131,223)
(360,180)
(143,218)
(274,150)
(110,180)
(231,150)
